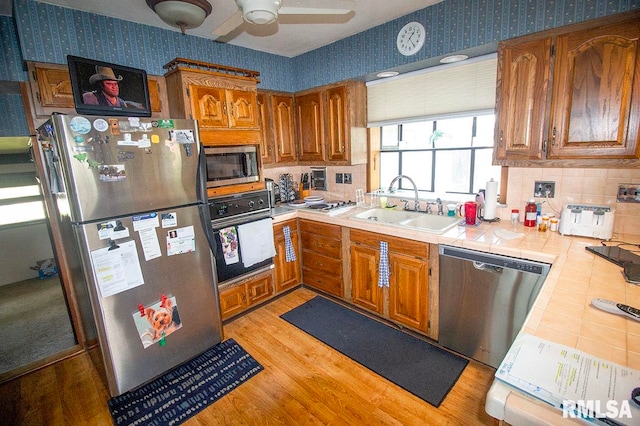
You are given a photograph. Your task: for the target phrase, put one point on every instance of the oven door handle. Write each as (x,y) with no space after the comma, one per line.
(219,224)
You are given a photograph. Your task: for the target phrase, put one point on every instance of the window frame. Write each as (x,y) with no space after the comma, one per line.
(396,148)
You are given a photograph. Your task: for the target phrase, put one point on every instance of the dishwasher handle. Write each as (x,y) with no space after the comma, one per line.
(486,267)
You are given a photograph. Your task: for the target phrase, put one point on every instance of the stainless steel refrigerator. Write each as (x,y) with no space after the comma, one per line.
(131,209)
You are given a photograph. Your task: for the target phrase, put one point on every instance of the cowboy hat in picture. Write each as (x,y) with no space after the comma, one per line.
(103,73)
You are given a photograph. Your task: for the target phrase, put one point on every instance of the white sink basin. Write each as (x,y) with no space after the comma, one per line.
(385,215)
(409,220)
(432,222)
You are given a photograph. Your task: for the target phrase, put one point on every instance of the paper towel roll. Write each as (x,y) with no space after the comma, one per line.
(490,200)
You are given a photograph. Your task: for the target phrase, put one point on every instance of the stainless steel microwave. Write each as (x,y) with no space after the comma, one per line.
(230,165)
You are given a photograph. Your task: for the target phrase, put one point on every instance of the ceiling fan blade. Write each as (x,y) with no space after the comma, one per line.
(229,25)
(316,7)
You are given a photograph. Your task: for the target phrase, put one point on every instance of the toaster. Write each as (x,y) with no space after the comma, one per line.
(587,220)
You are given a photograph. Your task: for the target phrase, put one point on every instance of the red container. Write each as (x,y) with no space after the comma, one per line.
(470,212)
(530,213)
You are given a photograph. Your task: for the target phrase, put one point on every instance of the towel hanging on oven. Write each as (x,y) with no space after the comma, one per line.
(229,242)
(256,241)
(289,251)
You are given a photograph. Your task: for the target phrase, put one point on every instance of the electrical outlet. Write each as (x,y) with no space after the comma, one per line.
(339,177)
(347,178)
(545,189)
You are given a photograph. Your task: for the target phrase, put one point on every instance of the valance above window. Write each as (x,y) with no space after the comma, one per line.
(441,91)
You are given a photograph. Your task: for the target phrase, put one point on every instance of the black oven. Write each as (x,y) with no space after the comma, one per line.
(231,165)
(230,216)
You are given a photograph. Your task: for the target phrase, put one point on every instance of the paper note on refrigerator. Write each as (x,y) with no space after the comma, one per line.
(117,269)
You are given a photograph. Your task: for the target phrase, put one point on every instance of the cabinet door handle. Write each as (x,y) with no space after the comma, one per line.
(231,106)
(501,138)
(553,136)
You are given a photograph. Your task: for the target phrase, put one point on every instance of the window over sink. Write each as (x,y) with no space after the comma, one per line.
(448,156)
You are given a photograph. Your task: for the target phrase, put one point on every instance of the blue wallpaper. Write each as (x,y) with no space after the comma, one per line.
(12,68)
(47,33)
(11,106)
(452,26)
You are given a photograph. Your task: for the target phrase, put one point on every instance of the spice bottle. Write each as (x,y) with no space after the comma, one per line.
(530,213)
(515,216)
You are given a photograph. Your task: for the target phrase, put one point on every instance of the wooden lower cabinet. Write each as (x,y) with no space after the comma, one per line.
(406,300)
(287,274)
(321,256)
(240,296)
(364,278)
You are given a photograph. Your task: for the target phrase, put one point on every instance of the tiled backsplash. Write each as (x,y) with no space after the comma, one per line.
(585,186)
(337,192)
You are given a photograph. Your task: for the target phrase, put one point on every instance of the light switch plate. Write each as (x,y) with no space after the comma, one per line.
(629,193)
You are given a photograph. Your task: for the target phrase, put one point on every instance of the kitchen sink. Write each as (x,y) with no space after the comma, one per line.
(409,219)
(431,221)
(385,215)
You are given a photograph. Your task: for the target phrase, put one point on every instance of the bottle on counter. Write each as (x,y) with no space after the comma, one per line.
(530,213)
(515,216)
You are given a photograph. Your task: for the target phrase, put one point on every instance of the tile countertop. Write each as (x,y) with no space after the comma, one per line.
(562,312)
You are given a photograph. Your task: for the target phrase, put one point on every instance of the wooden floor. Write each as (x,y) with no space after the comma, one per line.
(303,382)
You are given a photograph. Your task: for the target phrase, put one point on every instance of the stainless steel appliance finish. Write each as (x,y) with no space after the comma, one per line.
(484,299)
(233,211)
(231,165)
(131,194)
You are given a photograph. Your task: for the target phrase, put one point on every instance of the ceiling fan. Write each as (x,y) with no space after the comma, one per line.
(263,12)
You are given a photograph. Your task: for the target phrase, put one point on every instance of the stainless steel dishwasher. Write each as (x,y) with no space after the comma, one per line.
(484,299)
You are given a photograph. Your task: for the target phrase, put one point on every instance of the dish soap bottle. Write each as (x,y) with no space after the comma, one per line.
(530,213)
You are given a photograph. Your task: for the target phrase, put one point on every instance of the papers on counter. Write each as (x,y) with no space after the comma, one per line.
(579,384)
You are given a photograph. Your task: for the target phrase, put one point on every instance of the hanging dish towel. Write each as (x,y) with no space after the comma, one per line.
(383,273)
(256,241)
(289,252)
(229,241)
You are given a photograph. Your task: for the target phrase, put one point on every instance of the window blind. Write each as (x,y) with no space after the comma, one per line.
(440,91)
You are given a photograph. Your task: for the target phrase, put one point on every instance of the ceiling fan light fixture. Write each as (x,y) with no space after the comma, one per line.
(183,14)
(260,12)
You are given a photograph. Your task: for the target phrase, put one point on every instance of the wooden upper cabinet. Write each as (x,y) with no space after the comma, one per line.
(278,142)
(337,124)
(53,86)
(570,96)
(208,106)
(284,128)
(219,108)
(244,109)
(596,93)
(266,134)
(523,81)
(310,126)
(223,100)
(331,122)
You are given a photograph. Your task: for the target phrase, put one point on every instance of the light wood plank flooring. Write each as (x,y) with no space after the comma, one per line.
(304,382)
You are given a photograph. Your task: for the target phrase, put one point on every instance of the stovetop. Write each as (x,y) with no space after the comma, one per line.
(331,207)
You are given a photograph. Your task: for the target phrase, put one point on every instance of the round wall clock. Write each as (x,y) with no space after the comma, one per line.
(411,38)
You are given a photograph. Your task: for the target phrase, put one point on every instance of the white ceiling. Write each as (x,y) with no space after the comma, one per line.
(292,35)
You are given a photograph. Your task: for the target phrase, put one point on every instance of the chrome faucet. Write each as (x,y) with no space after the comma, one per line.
(416,203)
(440,210)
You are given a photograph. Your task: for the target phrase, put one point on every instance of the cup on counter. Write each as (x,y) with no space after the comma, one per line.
(451,209)
(383,202)
(469,210)
(359,197)
(375,198)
